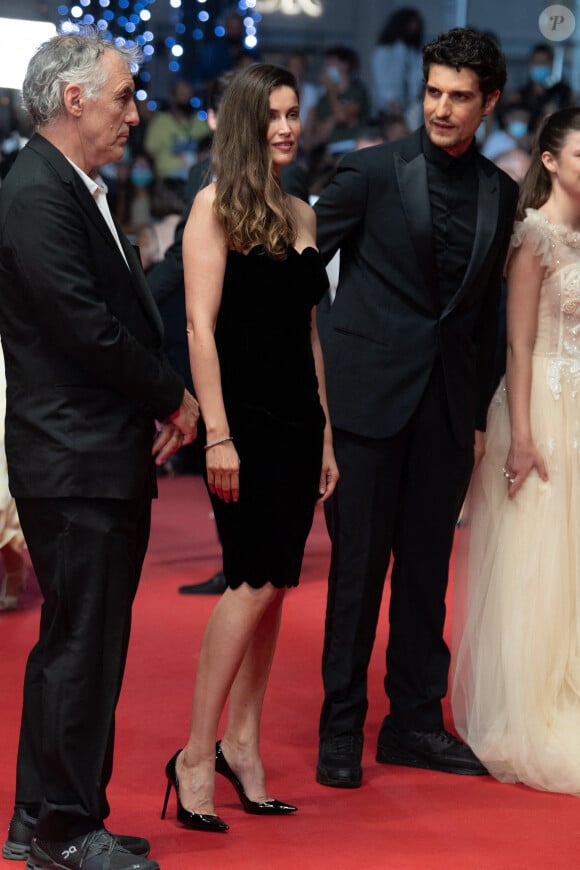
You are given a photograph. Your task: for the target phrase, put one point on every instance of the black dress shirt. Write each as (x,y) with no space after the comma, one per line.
(453,189)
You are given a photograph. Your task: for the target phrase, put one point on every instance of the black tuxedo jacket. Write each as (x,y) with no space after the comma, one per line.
(386,326)
(81,337)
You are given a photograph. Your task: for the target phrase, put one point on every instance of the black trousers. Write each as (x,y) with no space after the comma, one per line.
(401,496)
(87,555)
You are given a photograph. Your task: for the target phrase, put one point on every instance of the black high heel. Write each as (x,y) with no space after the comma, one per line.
(257,808)
(194,821)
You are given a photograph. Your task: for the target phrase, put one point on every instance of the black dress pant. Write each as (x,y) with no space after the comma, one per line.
(87,555)
(399,495)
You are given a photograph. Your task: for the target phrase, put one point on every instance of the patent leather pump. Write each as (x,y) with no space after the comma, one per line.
(257,808)
(194,821)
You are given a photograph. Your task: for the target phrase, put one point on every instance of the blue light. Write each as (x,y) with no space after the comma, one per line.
(108,15)
(180,28)
(148,36)
(173,66)
(197,33)
(148,50)
(130,27)
(141,95)
(145,76)
(219,30)
(62,10)
(88,19)
(195,102)
(123,4)
(202,115)
(134,19)
(203,16)
(104,3)
(170,41)
(102,25)
(152,105)
(122,20)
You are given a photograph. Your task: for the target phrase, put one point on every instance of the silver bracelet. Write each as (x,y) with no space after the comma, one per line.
(219,441)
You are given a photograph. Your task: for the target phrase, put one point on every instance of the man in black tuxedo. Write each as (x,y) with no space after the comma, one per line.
(86,382)
(423,226)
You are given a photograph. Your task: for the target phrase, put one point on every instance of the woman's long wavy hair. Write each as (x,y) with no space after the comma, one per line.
(537,184)
(250,204)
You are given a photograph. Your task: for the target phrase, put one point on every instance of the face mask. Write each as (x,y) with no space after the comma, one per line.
(333,74)
(141,176)
(517,129)
(540,74)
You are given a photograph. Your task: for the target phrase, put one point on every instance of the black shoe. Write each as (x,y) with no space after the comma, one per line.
(20,836)
(193,821)
(431,750)
(214,586)
(339,761)
(98,850)
(257,808)
(21,833)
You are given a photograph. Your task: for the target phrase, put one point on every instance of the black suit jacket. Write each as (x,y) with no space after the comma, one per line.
(81,337)
(386,328)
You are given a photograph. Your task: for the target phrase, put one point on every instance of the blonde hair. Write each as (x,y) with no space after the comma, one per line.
(249,203)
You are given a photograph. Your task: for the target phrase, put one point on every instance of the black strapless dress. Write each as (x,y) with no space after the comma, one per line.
(270,392)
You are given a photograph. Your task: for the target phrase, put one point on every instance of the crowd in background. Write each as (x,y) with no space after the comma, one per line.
(340,111)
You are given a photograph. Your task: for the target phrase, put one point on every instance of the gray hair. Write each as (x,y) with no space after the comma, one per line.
(69,58)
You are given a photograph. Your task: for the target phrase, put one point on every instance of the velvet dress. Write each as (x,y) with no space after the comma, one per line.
(270,392)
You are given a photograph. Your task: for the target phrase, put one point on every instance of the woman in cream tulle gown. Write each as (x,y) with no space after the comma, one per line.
(516,684)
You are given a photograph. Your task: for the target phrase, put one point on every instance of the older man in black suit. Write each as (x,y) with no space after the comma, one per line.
(423,226)
(86,382)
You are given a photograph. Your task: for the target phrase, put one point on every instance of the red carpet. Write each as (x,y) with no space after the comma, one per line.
(399,819)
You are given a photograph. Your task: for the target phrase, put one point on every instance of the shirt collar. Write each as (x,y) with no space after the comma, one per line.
(96,185)
(437,155)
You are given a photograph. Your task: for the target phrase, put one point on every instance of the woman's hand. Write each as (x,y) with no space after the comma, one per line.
(223,471)
(329,474)
(521,460)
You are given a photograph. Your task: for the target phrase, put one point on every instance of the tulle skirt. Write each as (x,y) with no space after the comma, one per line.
(516,645)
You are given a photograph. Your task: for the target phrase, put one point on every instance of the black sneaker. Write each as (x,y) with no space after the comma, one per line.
(98,850)
(21,834)
(431,750)
(339,761)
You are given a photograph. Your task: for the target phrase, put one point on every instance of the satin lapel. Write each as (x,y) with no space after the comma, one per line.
(485,228)
(140,283)
(414,193)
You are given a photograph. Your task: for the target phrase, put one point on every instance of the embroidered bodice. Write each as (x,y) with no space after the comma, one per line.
(558,329)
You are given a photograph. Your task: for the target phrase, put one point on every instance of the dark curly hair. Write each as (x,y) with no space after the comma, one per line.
(464,47)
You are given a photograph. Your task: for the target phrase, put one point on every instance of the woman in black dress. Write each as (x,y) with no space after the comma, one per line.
(253,277)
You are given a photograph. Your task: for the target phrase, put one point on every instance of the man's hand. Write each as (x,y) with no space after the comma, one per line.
(177,430)
(186,417)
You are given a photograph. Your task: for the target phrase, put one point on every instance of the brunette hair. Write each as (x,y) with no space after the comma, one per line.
(464,48)
(537,184)
(249,203)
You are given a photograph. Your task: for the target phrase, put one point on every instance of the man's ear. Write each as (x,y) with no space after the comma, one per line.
(73,100)
(490,102)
